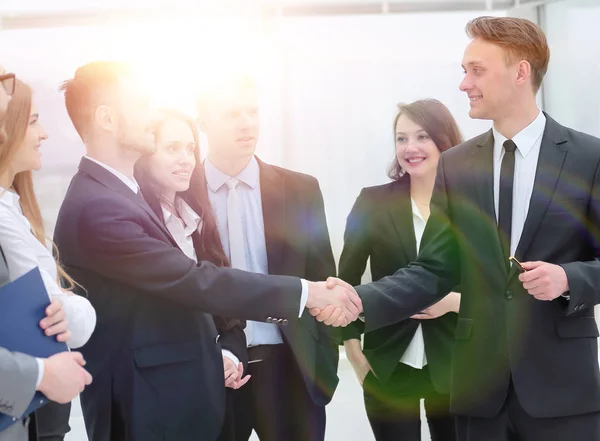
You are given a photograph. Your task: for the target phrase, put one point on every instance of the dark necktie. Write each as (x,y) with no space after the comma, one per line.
(507,175)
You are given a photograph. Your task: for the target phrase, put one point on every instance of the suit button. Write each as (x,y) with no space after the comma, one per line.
(508,295)
(285,322)
(269,319)
(280,321)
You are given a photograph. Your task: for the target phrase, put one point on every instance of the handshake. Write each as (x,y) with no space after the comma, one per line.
(334,302)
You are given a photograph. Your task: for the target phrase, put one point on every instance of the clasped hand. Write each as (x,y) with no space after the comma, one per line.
(234,374)
(334,302)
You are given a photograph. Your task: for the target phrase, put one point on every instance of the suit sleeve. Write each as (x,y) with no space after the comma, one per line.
(320,263)
(425,281)
(19,374)
(584,277)
(355,254)
(115,245)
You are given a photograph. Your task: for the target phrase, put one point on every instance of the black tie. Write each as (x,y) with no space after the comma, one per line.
(507,175)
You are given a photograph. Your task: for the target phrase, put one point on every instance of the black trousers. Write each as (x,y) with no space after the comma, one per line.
(394,409)
(514,424)
(275,403)
(52,421)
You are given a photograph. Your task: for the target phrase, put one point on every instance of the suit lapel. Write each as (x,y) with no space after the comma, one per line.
(553,152)
(109,180)
(272,188)
(481,168)
(400,210)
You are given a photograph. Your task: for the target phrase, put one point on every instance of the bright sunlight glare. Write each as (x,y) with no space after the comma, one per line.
(176,58)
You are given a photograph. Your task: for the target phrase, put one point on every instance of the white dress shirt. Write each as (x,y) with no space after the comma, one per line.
(129,182)
(414,355)
(257,333)
(528,142)
(182,228)
(24,252)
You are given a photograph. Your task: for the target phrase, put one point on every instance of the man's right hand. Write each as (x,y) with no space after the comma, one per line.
(335,304)
(64,377)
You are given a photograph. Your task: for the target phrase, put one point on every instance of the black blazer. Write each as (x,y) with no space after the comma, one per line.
(231,331)
(298,244)
(549,348)
(158,370)
(380,226)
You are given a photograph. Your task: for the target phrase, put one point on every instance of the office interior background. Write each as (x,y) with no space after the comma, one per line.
(330,74)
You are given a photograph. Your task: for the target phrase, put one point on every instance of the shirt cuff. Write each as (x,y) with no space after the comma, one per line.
(40,363)
(230,355)
(304,297)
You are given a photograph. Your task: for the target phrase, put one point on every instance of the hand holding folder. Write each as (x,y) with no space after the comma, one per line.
(22,305)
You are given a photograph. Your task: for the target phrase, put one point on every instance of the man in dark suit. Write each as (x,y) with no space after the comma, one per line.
(525,360)
(282,229)
(156,361)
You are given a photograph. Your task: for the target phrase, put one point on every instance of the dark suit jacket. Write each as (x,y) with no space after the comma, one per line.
(548,347)
(380,226)
(158,370)
(231,331)
(298,245)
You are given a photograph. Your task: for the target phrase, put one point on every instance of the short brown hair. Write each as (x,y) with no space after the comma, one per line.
(522,39)
(89,89)
(435,119)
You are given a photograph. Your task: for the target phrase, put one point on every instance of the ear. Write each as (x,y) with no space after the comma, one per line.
(104,118)
(523,72)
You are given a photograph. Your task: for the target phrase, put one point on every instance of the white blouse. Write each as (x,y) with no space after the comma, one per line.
(182,230)
(24,252)
(414,355)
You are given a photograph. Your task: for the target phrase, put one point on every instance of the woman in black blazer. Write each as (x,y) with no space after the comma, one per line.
(409,361)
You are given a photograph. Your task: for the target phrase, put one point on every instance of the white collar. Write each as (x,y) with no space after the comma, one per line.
(215,178)
(190,218)
(524,140)
(132,184)
(10,198)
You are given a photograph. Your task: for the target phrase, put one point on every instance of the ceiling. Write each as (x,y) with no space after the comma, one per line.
(19,14)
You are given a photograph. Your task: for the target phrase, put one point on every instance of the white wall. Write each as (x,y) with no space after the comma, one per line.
(343,79)
(572,92)
(329,87)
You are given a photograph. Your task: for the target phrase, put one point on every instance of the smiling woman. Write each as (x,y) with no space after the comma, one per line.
(422,129)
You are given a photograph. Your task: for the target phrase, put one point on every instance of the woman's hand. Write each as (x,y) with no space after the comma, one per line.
(233,374)
(357,359)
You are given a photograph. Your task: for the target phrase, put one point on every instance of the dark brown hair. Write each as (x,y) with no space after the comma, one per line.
(435,119)
(522,40)
(207,243)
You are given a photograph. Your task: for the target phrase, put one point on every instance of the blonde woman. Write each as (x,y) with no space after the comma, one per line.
(23,241)
(22,236)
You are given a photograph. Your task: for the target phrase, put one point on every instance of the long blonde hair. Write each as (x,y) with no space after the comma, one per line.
(16,121)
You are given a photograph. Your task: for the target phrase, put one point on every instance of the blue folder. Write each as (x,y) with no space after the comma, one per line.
(23,305)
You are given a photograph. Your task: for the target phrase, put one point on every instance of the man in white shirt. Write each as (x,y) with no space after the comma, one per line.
(525,362)
(271,221)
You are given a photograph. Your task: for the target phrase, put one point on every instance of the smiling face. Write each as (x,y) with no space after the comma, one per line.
(416,152)
(28,156)
(491,82)
(171,167)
